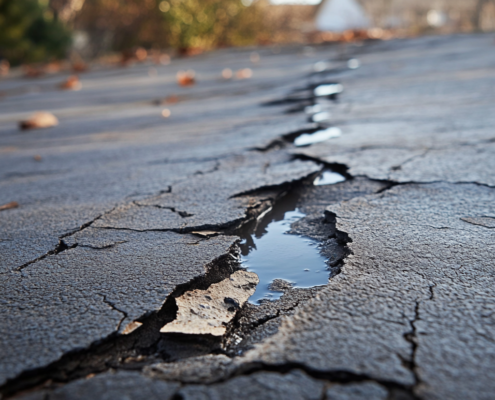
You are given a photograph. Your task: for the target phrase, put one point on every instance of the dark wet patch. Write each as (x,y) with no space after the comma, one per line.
(272,253)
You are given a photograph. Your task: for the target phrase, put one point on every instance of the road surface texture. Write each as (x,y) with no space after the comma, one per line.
(125,218)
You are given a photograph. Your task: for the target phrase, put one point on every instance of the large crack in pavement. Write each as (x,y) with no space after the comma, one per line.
(114,350)
(62,245)
(243,327)
(56,368)
(87,238)
(412,264)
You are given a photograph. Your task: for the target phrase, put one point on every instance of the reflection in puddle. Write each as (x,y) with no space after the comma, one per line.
(353,63)
(317,137)
(328,178)
(272,253)
(321,66)
(313,109)
(321,116)
(328,89)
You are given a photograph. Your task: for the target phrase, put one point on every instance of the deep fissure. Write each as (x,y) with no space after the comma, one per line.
(110,352)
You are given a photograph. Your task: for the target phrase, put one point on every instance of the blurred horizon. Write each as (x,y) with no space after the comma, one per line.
(41,31)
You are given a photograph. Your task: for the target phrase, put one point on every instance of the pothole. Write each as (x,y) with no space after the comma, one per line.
(270,251)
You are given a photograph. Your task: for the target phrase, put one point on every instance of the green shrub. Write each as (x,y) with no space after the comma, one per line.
(208,24)
(29,32)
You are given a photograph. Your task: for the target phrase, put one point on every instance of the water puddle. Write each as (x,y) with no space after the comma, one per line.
(353,63)
(270,252)
(330,89)
(321,117)
(328,178)
(313,109)
(319,136)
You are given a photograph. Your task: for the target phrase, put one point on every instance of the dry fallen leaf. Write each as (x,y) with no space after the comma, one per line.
(209,311)
(53,67)
(79,66)
(227,73)
(186,78)
(172,99)
(71,83)
(32,72)
(8,206)
(4,68)
(130,56)
(245,73)
(141,54)
(39,120)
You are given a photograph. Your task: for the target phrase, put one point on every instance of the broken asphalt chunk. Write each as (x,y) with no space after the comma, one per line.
(71,83)
(209,311)
(205,233)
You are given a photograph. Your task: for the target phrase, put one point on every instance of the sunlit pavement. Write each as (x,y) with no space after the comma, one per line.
(139,196)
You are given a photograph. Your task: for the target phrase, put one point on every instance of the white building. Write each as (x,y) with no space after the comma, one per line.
(341,15)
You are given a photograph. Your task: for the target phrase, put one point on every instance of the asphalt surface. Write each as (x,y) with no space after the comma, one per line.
(123,211)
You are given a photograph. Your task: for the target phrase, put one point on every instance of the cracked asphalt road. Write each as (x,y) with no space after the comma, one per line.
(106,233)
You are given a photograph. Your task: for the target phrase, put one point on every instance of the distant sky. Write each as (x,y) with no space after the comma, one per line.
(311,2)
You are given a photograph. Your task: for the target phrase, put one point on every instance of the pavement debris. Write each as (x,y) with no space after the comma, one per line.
(209,311)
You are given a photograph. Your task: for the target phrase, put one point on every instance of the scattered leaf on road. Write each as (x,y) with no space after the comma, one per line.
(39,120)
(4,68)
(186,78)
(79,66)
(245,73)
(8,206)
(71,83)
(32,72)
(227,73)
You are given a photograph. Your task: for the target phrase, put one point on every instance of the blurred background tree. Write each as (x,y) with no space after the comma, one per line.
(41,30)
(118,25)
(29,32)
(206,24)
